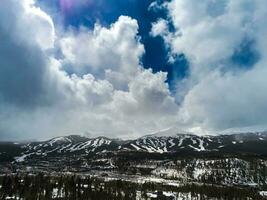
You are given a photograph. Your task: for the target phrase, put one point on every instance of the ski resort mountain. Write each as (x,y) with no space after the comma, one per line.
(170,160)
(180,144)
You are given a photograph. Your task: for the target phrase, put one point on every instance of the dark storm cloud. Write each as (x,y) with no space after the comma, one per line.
(22,58)
(21,80)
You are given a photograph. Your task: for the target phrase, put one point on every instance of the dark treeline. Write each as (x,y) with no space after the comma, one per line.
(44,187)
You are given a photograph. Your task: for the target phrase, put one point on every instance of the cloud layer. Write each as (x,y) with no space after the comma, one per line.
(57,81)
(220,92)
(76,81)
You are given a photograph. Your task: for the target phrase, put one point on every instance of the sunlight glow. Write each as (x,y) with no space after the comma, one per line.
(68,5)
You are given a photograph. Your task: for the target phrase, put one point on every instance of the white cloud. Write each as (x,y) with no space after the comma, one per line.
(208,38)
(227,101)
(159,28)
(114,51)
(148,96)
(208,33)
(34,23)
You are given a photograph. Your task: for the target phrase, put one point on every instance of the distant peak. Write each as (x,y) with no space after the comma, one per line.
(169,132)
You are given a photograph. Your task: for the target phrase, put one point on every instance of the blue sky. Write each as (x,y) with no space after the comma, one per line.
(106,12)
(156,53)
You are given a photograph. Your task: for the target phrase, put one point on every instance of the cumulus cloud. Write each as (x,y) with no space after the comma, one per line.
(76,81)
(160,28)
(107,52)
(219,94)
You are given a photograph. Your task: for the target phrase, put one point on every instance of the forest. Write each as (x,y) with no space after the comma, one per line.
(61,187)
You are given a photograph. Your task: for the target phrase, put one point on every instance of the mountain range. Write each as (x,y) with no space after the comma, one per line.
(252,143)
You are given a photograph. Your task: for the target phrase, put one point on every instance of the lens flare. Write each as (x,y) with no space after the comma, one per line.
(66,5)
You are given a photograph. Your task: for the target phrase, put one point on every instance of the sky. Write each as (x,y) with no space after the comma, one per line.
(126,68)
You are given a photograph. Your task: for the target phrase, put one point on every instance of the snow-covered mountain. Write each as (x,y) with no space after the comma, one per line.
(75,145)
(67,145)
(161,143)
(232,159)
